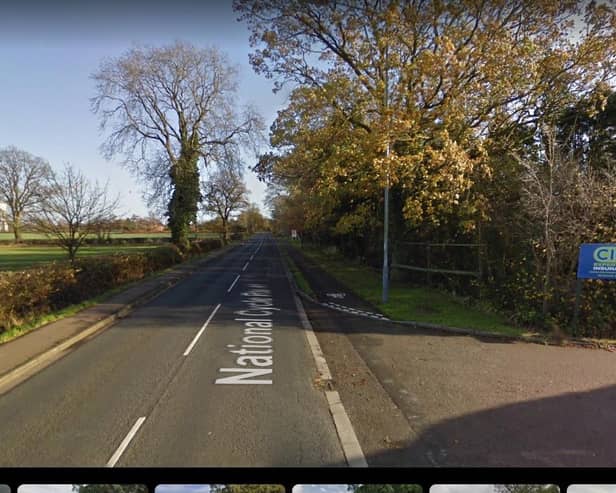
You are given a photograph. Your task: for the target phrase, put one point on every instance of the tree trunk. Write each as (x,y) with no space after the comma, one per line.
(225,239)
(72,253)
(17,227)
(182,209)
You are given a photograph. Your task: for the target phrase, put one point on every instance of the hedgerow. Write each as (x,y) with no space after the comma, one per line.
(35,292)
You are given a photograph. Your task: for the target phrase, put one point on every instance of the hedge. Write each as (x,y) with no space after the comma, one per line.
(38,291)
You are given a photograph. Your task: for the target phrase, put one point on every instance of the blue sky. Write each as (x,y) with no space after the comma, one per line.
(48,50)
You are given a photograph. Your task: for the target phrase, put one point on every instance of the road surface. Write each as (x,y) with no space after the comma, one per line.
(214,372)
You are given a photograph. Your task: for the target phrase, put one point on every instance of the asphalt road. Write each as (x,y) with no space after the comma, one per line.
(163,387)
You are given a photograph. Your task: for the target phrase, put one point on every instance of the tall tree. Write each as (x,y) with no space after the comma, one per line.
(224,193)
(432,79)
(252,220)
(73,208)
(167,108)
(22,184)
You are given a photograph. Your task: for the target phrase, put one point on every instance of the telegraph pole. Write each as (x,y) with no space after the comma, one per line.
(385,291)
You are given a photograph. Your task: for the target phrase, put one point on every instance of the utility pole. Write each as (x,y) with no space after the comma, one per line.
(385,291)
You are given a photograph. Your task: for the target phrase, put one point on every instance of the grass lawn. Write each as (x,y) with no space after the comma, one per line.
(20,257)
(407,302)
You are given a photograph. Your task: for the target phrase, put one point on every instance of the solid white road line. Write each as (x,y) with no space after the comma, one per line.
(346,433)
(245,265)
(350,444)
(131,434)
(194,341)
(233,283)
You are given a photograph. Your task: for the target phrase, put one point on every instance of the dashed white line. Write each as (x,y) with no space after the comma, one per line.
(245,265)
(233,283)
(196,338)
(125,443)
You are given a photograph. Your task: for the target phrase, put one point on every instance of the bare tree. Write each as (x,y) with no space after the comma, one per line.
(73,209)
(565,204)
(167,108)
(223,194)
(22,178)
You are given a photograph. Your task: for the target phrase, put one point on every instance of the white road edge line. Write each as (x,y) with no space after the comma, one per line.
(196,338)
(233,284)
(245,265)
(125,443)
(346,434)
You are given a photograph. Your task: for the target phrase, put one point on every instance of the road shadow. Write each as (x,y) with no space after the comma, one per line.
(571,430)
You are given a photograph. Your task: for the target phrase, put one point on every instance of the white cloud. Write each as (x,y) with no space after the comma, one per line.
(320,488)
(45,488)
(462,488)
(592,488)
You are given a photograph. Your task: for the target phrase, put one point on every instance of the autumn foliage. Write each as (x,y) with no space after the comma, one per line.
(473,113)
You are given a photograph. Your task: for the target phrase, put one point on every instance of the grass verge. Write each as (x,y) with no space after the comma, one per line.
(299,278)
(419,304)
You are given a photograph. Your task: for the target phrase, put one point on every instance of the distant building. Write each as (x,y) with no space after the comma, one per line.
(4,225)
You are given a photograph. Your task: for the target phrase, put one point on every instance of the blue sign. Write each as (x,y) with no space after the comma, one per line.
(597,261)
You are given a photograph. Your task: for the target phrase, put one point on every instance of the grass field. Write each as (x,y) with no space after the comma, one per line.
(406,302)
(21,257)
(123,236)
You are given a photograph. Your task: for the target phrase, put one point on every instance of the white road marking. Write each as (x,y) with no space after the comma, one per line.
(349,442)
(245,265)
(354,311)
(123,446)
(252,257)
(233,284)
(194,341)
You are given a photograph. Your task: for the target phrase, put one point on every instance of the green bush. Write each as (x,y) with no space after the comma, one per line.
(38,291)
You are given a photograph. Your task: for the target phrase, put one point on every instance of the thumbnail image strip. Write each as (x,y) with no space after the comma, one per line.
(82,488)
(494,488)
(219,488)
(357,488)
(592,488)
